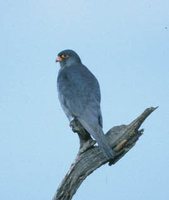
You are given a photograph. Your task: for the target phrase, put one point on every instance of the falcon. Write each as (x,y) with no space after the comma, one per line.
(79,95)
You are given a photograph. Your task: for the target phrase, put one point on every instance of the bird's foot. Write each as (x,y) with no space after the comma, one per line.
(86,142)
(86,145)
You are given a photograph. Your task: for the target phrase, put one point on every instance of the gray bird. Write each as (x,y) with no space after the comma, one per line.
(79,95)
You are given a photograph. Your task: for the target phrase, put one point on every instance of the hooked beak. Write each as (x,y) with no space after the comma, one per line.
(59,59)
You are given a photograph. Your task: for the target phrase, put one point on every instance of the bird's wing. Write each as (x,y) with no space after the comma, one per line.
(78,88)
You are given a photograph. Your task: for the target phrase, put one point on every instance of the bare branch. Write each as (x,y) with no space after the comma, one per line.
(121,138)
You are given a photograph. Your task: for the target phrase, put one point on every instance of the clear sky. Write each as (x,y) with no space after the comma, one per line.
(126,45)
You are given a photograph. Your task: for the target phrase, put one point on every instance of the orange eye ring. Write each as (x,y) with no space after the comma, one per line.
(64,56)
(61,57)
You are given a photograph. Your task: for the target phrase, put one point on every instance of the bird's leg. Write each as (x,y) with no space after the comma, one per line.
(86,141)
(75,125)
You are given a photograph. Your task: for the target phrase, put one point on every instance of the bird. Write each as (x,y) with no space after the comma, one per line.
(80,97)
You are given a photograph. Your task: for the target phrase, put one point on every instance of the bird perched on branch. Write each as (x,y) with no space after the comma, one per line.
(79,95)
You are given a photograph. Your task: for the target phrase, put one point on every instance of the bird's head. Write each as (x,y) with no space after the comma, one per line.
(67,58)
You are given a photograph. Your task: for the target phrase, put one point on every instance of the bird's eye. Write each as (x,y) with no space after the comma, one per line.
(64,56)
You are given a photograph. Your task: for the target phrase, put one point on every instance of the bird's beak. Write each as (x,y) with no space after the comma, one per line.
(59,59)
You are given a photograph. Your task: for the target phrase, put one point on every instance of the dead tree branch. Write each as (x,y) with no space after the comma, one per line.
(121,138)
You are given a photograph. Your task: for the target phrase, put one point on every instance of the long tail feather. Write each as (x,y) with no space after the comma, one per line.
(100,138)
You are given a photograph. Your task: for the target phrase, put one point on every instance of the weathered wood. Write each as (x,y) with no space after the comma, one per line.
(121,138)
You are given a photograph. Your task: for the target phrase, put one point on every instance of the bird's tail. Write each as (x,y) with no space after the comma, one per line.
(100,138)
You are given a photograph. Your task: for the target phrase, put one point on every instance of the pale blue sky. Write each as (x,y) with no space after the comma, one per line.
(126,45)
